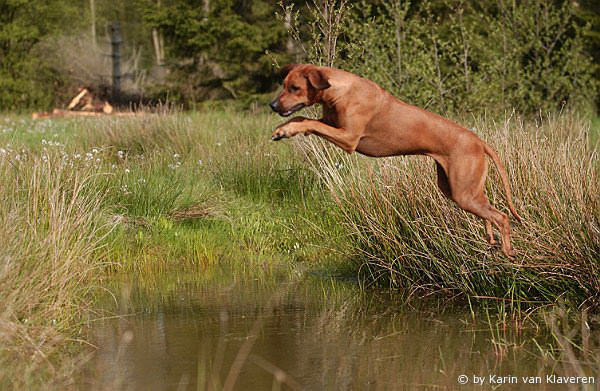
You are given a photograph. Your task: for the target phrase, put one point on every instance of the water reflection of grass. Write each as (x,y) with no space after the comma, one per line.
(312,333)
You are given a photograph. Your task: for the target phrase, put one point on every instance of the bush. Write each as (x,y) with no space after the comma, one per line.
(464,56)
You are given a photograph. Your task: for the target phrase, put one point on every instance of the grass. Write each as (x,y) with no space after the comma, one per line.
(84,198)
(49,231)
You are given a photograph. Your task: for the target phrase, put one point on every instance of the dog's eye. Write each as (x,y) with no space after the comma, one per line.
(294,88)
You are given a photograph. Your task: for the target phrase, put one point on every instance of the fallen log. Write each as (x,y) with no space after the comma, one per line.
(107,108)
(58,113)
(75,101)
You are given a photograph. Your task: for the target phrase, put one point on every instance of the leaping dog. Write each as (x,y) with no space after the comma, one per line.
(359,115)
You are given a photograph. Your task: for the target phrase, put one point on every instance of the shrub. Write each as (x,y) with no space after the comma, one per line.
(467,55)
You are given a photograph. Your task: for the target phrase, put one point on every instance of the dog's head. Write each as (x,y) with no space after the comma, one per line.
(301,87)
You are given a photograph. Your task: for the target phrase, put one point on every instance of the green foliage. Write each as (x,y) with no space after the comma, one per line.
(472,55)
(224,48)
(25,79)
(439,54)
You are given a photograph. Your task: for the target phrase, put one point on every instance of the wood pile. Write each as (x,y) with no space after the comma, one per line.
(84,104)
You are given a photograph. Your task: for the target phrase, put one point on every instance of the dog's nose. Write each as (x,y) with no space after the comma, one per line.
(274,105)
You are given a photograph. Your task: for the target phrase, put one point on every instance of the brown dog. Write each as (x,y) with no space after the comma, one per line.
(360,116)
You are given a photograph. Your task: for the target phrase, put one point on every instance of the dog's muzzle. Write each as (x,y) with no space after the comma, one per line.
(276,108)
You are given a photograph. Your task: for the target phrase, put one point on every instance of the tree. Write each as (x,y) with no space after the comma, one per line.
(24,77)
(219,45)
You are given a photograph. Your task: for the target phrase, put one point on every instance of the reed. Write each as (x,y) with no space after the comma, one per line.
(50,228)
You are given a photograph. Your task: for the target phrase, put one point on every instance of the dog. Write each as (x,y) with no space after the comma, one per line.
(360,116)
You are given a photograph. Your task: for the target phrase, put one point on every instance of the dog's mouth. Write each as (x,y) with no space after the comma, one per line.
(299,106)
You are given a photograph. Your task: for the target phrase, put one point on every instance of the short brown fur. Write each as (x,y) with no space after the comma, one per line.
(359,115)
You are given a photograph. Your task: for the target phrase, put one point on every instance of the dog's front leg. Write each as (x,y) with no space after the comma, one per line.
(345,139)
(286,129)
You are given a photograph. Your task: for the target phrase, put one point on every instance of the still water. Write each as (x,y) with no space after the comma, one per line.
(282,332)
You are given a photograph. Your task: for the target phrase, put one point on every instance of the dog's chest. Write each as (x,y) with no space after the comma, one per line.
(330,116)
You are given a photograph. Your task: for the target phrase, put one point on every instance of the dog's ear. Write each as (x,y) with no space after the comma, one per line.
(283,72)
(318,79)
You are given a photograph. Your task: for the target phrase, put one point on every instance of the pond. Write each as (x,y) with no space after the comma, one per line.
(312,332)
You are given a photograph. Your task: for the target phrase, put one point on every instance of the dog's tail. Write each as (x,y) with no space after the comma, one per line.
(491,153)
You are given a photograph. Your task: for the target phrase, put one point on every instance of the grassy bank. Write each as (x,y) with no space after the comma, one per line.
(83,198)
(140,196)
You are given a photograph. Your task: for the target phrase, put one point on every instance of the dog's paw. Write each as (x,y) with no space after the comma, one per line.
(279,134)
(509,253)
(492,240)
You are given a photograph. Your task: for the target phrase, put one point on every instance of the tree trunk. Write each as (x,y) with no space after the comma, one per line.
(116,60)
(289,43)
(157,49)
(157,40)
(93,30)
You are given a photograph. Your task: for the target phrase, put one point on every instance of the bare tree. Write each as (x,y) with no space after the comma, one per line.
(158,41)
(93,21)
(287,21)
(330,15)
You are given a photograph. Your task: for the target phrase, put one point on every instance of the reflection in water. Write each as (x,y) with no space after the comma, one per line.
(315,334)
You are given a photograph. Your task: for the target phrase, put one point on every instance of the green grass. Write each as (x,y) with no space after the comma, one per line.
(86,198)
(595,132)
(139,196)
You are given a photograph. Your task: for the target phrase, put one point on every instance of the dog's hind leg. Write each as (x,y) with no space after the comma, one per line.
(482,208)
(490,233)
(466,179)
(444,186)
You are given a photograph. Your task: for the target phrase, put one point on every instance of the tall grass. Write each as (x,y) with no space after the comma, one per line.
(50,226)
(410,236)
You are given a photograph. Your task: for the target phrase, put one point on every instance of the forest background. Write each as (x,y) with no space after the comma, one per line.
(447,56)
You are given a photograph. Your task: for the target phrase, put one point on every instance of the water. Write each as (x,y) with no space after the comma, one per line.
(276,333)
